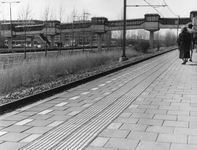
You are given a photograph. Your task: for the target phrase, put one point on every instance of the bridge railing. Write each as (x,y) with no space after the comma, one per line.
(7,26)
(75,25)
(174,21)
(25,28)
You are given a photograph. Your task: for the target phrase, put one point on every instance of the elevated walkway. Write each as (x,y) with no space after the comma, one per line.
(151,105)
(98,25)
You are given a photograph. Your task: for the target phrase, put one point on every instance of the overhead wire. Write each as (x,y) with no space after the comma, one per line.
(170,9)
(161,13)
(154,8)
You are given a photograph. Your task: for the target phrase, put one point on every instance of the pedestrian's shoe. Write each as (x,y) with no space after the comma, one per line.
(190,60)
(184,62)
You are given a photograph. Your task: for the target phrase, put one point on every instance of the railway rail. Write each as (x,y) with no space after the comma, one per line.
(31,50)
(8,107)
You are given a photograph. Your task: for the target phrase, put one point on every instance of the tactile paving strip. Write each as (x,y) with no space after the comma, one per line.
(78,140)
(79,130)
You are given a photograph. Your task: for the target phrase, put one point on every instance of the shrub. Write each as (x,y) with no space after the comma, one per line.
(142,46)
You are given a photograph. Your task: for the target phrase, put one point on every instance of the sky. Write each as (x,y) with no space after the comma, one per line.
(112,9)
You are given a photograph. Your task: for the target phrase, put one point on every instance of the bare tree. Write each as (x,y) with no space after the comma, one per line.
(72,18)
(158,40)
(46,16)
(133,35)
(142,34)
(2,31)
(118,35)
(85,18)
(25,14)
(61,13)
(170,38)
(61,19)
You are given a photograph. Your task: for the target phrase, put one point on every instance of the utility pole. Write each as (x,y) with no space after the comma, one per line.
(123,57)
(73,37)
(84,20)
(46,38)
(124,33)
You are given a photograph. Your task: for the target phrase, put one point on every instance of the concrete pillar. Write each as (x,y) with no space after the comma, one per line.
(99,42)
(52,41)
(32,42)
(151,40)
(9,43)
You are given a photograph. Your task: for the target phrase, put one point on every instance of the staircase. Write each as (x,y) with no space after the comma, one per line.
(44,39)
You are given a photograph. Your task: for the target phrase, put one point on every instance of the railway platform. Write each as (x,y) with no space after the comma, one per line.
(148,106)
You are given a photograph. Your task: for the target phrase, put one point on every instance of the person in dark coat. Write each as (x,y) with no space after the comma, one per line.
(184,42)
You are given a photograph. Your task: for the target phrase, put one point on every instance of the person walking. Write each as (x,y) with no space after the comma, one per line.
(184,43)
(192,40)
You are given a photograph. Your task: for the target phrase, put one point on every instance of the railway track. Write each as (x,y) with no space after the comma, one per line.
(8,107)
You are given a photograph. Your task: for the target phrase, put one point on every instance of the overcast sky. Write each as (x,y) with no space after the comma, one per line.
(106,8)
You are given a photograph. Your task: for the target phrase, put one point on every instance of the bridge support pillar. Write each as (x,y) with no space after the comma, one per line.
(32,42)
(9,43)
(99,42)
(151,41)
(52,41)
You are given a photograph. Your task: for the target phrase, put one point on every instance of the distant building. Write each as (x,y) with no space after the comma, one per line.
(69,38)
(84,37)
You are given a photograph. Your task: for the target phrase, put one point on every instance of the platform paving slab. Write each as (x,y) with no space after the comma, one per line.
(173,123)
(136,108)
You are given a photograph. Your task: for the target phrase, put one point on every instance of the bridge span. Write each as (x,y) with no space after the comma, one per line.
(98,25)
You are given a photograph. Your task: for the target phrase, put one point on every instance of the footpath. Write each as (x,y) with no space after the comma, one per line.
(149,106)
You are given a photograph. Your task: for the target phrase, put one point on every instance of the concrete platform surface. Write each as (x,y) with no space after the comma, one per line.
(148,106)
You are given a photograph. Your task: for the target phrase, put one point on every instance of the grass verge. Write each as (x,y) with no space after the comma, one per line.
(43,70)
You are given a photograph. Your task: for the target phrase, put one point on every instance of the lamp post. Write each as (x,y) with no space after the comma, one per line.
(11,17)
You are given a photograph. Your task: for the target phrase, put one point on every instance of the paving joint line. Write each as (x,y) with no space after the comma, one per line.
(85,122)
(66,144)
